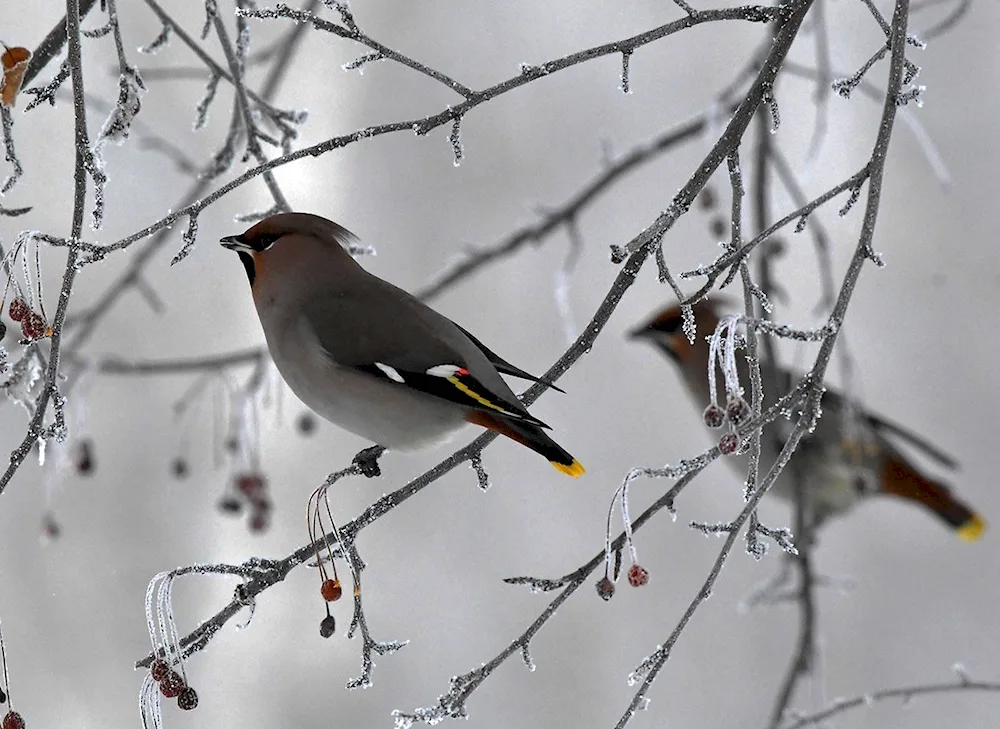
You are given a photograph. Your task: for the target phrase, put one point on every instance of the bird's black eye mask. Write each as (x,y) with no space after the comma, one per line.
(247,260)
(671,325)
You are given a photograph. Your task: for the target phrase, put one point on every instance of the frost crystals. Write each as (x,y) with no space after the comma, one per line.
(189,237)
(625,87)
(482,477)
(119,122)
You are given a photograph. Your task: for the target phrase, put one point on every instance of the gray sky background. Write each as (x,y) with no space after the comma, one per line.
(921,331)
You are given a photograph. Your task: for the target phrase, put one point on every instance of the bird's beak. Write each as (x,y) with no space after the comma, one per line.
(235,243)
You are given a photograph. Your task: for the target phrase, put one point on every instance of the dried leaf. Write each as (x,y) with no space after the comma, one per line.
(15,63)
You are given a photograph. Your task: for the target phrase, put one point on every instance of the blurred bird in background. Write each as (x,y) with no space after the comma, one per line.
(847,459)
(368,356)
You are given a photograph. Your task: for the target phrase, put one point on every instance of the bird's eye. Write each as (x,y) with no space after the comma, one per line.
(264,241)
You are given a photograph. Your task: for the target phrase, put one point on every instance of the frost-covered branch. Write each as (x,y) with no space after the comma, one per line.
(423,125)
(904,694)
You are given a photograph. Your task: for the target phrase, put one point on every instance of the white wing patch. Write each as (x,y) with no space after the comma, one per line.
(445,370)
(390,372)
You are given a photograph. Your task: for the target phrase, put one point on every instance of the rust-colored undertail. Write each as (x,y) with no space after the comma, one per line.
(899,478)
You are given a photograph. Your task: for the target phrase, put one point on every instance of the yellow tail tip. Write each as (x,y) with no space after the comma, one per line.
(971,530)
(574,469)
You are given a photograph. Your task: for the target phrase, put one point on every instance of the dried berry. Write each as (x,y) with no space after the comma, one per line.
(306,423)
(187,699)
(12,720)
(33,326)
(18,309)
(179,468)
(159,670)
(3,330)
(737,410)
(259,522)
(714,416)
(728,444)
(637,575)
(605,588)
(327,626)
(331,590)
(230,505)
(172,684)
(85,457)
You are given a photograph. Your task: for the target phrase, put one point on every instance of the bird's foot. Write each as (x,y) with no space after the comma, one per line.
(367,461)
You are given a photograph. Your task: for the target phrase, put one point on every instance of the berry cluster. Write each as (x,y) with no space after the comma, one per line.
(637,577)
(249,489)
(173,685)
(33,325)
(736,413)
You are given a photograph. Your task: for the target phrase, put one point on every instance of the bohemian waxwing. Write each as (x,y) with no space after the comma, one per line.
(368,356)
(840,469)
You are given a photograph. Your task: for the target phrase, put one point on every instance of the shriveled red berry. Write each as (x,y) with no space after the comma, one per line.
(172,684)
(331,590)
(605,588)
(33,326)
(159,670)
(12,720)
(714,416)
(737,410)
(728,444)
(249,484)
(637,575)
(259,522)
(18,309)
(327,626)
(187,699)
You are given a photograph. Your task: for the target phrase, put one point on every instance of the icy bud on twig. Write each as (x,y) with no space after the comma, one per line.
(158,42)
(359,63)
(118,124)
(626,57)
(456,141)
(482,477)
(201,113)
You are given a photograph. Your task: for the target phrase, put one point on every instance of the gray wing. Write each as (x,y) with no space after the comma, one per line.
(384,331)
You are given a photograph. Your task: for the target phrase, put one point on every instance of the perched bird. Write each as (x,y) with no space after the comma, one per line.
(846,459)
(368,356)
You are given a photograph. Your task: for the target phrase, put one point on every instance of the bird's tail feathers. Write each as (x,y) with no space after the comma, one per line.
(899,478)
(531,436)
